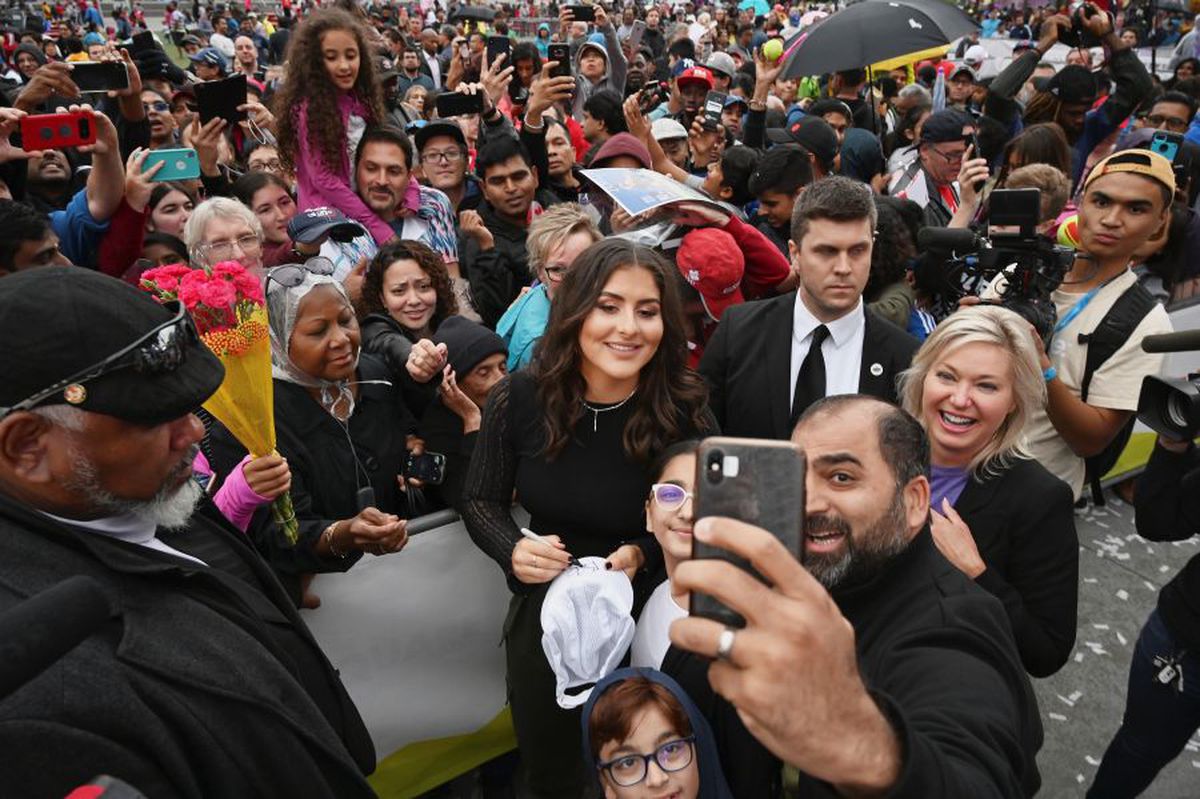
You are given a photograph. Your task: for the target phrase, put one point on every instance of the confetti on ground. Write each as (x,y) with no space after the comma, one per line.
(1074,695)
(1092,580)
(1164,569)
(1079,779)
(1121,639)
(1123,595)
(1057,716)
(1091,760)
(1065,700)
(1102,524)
(1078,657)
(1196,764)
(1150,585)
(1100,626)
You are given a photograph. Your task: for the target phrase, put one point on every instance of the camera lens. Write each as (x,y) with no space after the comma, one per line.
(1177,409)
(713,466)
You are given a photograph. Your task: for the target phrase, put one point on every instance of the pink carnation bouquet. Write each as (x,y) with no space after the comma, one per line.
(226,301)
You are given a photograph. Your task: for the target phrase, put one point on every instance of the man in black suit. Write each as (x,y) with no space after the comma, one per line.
(761,365)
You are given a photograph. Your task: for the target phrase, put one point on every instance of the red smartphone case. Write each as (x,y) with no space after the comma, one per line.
(55,131)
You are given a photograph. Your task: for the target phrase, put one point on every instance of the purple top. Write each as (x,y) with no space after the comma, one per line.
(948,482)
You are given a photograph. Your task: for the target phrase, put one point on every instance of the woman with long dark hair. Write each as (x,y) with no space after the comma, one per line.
(574,436)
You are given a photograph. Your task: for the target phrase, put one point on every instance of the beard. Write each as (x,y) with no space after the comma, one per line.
(864,556)
(170,508)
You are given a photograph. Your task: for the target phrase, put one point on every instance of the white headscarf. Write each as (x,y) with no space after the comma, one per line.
(283,310)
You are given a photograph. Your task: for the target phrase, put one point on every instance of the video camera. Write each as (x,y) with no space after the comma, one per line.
(1171,406)
(957,262)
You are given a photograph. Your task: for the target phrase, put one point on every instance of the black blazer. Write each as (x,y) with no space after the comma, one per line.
(748,363)
(1023,522)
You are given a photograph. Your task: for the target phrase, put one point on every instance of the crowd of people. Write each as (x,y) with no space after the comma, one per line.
(413,187)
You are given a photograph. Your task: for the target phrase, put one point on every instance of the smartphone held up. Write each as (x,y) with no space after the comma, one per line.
(756,481)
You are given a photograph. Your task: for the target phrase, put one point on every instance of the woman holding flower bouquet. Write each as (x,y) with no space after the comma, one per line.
(340,424)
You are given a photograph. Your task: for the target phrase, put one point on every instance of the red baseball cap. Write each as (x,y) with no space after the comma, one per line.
(711,262)
(696,75)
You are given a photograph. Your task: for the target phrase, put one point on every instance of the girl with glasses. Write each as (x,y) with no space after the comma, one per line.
(750,769)
(645,738)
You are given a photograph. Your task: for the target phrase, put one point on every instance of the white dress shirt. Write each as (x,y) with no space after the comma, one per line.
(435,68)
(842,348)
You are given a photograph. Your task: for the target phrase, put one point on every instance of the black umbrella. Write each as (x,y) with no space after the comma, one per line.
(478,13)
(872,31)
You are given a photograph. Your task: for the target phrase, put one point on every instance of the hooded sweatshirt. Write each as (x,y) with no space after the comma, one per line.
(712,780)
(615,70)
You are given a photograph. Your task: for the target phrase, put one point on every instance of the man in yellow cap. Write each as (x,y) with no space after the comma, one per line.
(1102,311)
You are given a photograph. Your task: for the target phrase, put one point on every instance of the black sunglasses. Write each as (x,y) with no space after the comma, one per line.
(291,275)
(162,350)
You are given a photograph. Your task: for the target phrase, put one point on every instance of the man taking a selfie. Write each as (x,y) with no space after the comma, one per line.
(876,667)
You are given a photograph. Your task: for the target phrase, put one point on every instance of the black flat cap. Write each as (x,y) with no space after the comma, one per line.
(56,321)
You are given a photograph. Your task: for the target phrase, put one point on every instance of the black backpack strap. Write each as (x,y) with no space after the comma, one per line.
(1114,330)
(1102,343)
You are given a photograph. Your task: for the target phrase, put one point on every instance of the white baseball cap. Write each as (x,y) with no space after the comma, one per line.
(587,627)
(665,129)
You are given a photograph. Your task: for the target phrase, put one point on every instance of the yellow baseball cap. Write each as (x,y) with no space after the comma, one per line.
(1139,162)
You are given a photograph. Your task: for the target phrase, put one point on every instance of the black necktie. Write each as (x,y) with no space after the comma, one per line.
(810,381)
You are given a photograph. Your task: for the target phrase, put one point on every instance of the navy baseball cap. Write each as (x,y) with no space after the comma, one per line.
(208,55)
(307,227)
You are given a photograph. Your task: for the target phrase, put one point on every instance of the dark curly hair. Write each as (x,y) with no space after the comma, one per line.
(371,300)
(894,247)
(308,84)
(672,400)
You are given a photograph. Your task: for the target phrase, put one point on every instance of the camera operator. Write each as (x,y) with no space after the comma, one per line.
(1162,708)
(1126,201)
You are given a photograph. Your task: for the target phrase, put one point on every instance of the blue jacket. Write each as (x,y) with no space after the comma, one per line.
(523,324)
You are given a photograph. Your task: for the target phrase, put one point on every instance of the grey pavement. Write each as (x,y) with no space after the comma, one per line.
(1081,706)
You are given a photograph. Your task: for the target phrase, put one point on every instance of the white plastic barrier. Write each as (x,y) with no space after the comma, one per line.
(416,636)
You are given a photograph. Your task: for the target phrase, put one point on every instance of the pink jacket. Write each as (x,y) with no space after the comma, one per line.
(318,185)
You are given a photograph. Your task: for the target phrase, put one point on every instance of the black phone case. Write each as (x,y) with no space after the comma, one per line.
(767,491)
(497,45)
(453,104)
(562,54)
(430,469)
(221,98)
(100,76)
(583,13)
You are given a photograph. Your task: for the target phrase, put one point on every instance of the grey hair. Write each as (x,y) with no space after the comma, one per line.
(1000,327)
(554,226)
(216,208)
(916,90)
(66,417)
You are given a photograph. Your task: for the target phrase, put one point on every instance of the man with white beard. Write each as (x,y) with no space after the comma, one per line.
(203,681)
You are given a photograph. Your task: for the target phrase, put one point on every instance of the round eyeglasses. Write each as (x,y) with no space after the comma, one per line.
(628,770)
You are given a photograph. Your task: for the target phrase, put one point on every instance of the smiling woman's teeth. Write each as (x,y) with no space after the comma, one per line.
(960,421)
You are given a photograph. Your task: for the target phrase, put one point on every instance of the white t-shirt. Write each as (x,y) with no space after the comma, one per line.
(1115,385)
(651,639)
